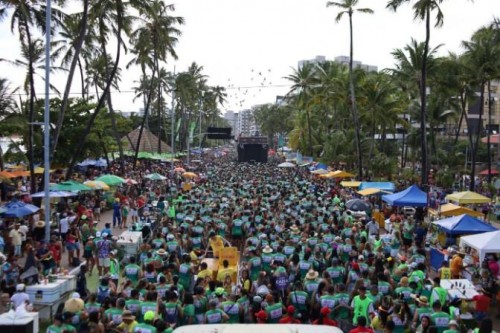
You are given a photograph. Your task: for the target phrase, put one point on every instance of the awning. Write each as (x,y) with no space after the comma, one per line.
(350,183)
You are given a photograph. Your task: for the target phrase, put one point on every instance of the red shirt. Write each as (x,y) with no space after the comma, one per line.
(326,321)
(482,302)
(494,268)
(289,320)
(360,329)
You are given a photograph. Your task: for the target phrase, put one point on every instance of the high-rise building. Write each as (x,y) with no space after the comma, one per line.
(344,60)
(234,122)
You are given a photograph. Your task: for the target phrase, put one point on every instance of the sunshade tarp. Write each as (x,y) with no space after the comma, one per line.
(463,224)
(467,197)
(385,186)
(370,191)
(342,174)
(412,196)
(350,184)
(487,242)
(450,209)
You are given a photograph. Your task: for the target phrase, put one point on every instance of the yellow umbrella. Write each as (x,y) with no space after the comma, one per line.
(189,175)
(40,170)
(97,185)
(371,191)
(450,209)
(341,174)
(467,197)
(327,175)
(350,184)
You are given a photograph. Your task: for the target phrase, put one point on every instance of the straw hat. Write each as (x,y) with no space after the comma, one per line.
(422,300)
(74,305)
(161,252)
(40,224)
(295,229)
(127,315)
(267,249)
(312,275)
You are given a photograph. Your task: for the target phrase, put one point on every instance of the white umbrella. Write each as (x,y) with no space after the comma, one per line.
(54,194)
(286,165)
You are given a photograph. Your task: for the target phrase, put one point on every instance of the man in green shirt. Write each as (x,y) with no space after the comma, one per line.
(147,325)
(423,309)
(57,326)
(214,315)
(336,272)
(232,309)
(452,327)
(299,298)
(273,310)
(133,303)
(132,271)
(362,306)
(114,315)
(439,318)
(328,300)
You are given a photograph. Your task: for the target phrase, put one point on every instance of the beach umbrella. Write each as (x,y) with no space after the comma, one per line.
(130,181)
(96,185)
(286,165)
(70,186)
(20,173)
(357,205)
(111,180)
(342,174)
(18,209)
(319,172)
(155,176)
(189,175)
(7,175)
(54,194)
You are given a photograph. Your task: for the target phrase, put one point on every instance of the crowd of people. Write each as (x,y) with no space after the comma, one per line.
(304,258)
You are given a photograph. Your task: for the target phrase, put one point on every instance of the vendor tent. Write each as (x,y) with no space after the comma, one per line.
(149,142)
(487,242)
(371,191)
(463,225)
(467,197)
(450,209)
(384,186)
(412,196)
(350,183)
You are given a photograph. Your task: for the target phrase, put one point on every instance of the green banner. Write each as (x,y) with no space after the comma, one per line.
(177,129)
(192,127)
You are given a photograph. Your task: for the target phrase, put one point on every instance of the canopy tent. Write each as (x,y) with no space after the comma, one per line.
(342,174)
(463,225)
(350,183)
(467,197)
(384,186)
(149,142)
(412,196)
(486,172)
(487,242)
(450,209)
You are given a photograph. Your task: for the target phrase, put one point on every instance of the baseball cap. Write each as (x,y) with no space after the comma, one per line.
(149,316)
(20,287)
(75,295)
(290,309)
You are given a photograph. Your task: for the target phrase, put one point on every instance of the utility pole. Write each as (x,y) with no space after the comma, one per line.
(46,123)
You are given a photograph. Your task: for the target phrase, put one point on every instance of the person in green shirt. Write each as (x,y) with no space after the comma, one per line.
(214,315)
(439,318)
(147,325)
(114,267)
(113,315)
(299,298)
(273,310)
(188,310)
(438,293)
(336,272)
(57,326)
(200,304)
(254,265)
(362,306)
(133,303)
(231,308)
(423,309)
(328,300)
(452,327)
(186,272)
(148,305)
(91,305)
(132,271)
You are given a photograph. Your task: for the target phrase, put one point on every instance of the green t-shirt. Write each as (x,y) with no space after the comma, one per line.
(134,306)
(299,300)
(232,309)
(188,312)
(440,320)
(341,312)
(214,316)
(274,313)
(361,308)
(54,329)
(144,328)
(114,315)
(132,273)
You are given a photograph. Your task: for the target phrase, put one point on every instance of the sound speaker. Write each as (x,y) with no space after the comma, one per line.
(219,133)
(252,153)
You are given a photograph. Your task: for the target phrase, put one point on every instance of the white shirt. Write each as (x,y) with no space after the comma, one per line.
(19,298)
(64,225)
(23,230)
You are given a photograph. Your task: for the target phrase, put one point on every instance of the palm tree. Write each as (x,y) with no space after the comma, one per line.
(12,120)
(347,7)
(71,24)
(422,10)
(482,53)
(304,82)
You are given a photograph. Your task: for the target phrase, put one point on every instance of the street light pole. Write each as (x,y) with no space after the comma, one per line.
(46,123)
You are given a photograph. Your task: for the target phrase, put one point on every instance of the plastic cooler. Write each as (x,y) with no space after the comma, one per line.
(68,283)
(130,241)
(44,293)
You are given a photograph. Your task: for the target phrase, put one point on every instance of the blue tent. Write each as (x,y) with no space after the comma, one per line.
(384,186)
(412,196)
(463,224)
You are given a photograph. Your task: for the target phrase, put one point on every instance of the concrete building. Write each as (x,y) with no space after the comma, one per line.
(344,60)
(247,123)
(234,122)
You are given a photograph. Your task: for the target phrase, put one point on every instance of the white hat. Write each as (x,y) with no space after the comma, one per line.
(104,234)
(75,295)
(20,287)
(98,234)
(361,257)
(170,237)
(267,249)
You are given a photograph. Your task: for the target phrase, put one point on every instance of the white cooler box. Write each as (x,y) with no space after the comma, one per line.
(44,293)
(130,241)
(68,283)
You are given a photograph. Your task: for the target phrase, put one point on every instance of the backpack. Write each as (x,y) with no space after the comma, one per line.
(102,294)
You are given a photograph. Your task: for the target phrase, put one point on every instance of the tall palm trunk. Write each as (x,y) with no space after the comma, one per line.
(423,100)
(74,62)
(355,115)
(463,104)
(31,109)
(489,132)
(112,111)
(146,112)
(309,131)
(102,100)
(475,144)
(160,122)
